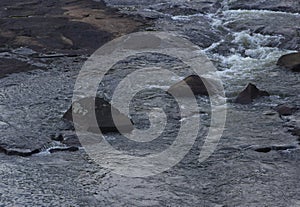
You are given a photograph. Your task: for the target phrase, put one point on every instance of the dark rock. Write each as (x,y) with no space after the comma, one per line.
(250,93)
(295,132)
(197,84)
(18,152)
(285,110)
(279,148)
(290,61)
(57,137)
(82,109)
(263,149)
(9,66)
(71,141)
(275,148)
(68,149)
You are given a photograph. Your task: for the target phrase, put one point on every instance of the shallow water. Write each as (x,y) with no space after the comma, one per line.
(33,103)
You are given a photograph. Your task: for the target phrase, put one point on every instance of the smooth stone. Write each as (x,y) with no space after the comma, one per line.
(198,85)
(82,109)
(290,61)
(250,93)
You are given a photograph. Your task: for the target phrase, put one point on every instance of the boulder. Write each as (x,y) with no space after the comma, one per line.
(82,109)
(290,61)
(197,84)
(250,93)
(285,110)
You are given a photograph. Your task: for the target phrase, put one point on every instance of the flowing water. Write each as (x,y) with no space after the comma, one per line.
(243,45)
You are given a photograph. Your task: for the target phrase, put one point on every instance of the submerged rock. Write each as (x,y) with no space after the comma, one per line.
(250,93)
(285,110)
(275,148)
(64,149)
(295,132)
(82,109)
(290,61)
(197,84)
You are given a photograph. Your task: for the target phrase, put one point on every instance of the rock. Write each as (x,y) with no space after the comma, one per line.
(82,109)
(57,137)
(275,148)
(197,84)
(263,149)
(285,110)
(18,152)
(62,26)
(290,61)
(250,93)
(71,141)
(295,132)
(9,66)
(69,149)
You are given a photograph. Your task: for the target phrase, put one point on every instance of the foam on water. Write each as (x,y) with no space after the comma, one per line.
(245,39)
(252,56)
(186,17)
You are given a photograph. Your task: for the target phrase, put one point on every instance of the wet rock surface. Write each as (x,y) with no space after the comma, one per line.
(62,26)
(256,162)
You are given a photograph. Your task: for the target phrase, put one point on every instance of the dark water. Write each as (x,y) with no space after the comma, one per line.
(32,104)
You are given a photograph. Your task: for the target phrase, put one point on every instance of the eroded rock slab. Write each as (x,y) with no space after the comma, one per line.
(60,25)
